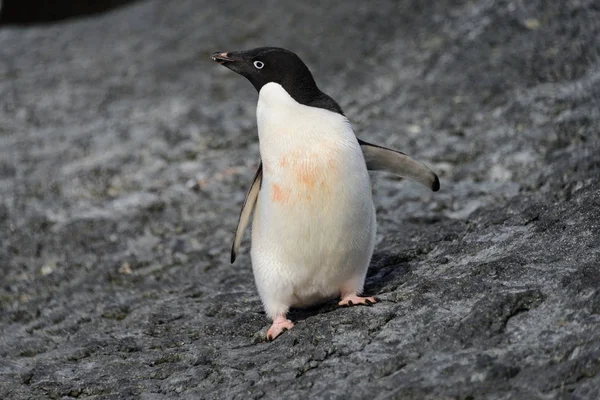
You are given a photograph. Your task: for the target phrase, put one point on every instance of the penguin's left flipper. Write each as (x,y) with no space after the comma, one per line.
(380,158)
(246,212)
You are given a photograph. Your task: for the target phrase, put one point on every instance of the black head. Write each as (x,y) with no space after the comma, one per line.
(272,64)
(267,64)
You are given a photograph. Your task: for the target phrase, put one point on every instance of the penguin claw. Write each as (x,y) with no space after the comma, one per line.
(353,300)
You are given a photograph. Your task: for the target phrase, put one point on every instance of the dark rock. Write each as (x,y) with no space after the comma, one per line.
(38,11)
(125,154)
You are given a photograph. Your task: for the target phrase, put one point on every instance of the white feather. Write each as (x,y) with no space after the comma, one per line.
(314,225)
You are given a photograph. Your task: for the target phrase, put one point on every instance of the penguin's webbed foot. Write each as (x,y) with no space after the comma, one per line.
(280,325)
(354,300)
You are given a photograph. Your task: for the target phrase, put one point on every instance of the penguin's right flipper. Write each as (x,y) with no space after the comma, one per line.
(380,158)
(246,212)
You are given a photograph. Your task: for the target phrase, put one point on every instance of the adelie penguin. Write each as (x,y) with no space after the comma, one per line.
(314,224)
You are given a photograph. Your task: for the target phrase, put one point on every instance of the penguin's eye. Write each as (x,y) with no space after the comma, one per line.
(259,64)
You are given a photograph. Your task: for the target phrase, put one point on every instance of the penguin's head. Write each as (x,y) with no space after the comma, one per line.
(268,64)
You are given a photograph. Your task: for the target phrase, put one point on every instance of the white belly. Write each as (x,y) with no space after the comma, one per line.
(314,224)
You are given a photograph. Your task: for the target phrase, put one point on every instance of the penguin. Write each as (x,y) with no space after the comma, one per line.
(313,228)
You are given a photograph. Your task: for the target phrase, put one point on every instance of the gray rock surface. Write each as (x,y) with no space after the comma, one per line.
(125,155)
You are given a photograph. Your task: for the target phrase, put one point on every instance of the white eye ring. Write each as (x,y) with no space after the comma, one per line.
(259,64)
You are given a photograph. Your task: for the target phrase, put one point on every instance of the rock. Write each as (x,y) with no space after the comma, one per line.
(38,11)
(125,157)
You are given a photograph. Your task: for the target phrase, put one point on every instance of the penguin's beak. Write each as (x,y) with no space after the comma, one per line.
(222,58)
(234,60)
(239,62)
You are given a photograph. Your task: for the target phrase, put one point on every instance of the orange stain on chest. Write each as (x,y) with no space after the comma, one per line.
(278,195)
(309,175)
(308,170)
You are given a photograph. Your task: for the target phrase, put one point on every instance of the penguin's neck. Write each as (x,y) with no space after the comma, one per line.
(307,93)
(273,96)
(287,127)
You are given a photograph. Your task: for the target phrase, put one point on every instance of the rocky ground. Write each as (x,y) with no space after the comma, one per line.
(125,154)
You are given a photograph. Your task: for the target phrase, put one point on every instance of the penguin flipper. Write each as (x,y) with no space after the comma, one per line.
(380,158)
(246,212)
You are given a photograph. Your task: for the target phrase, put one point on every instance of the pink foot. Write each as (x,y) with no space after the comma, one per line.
(354,300)
(280,325)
